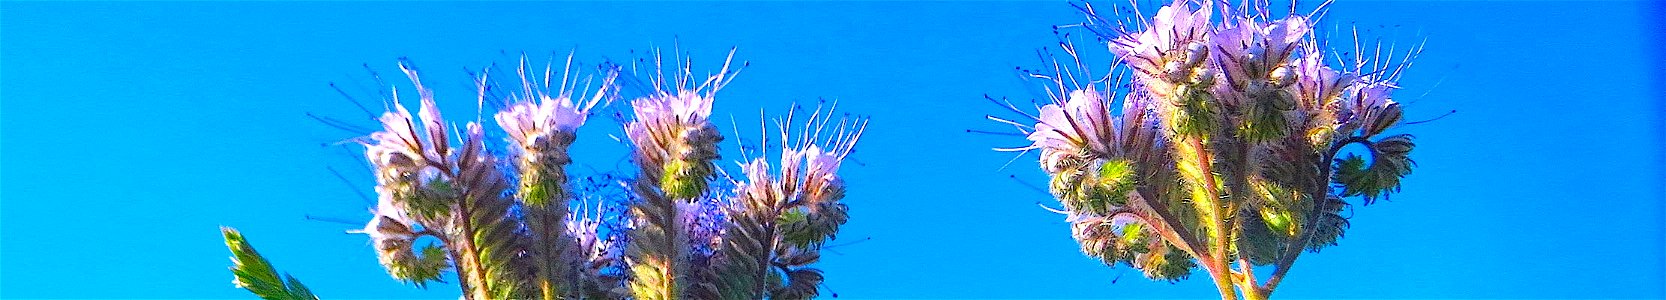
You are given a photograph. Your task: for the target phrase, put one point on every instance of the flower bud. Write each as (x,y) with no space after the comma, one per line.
(1283,76)
(1175,71)
(1204,76)
(1195,53)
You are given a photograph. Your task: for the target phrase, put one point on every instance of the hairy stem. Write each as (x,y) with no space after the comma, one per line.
(1217,264)
(1319,192)
(1168,226)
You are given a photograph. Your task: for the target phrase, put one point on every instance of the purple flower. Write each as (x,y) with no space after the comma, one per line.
(1367,93)
(1253,54)
(674,126)
(531,121)
(1317,85)
(704,218)
(685,106)
(1082,125)
(397,144)
(1171,47)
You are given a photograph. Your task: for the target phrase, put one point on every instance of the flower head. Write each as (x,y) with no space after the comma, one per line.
(1317,85)
(1083,125)
(675,141)
(407,159)
(541,127)
(674,138)
(704,219)
(531,121)
(1252,53)
(1171,47)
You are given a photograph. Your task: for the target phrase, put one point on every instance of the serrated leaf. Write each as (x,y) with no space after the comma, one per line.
(252,272)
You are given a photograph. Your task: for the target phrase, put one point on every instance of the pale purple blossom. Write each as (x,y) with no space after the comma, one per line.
(539,115)
(526,122)
(397,144)
(704,219)
(1317,85)
(1082,124)
(684,107)
(1368,93)
(1253,54)
(1170,46)
(674,127)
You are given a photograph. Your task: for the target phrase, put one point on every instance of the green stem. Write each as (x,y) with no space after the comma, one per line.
(1217,265)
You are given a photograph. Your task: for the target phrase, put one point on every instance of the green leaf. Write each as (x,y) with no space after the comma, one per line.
(254,273)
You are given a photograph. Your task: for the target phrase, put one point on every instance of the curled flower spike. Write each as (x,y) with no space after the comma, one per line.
(674,136)
(394,240)
(406,163)
(675,140)
(778,221)
(675,145)
(541,127)
(405,167)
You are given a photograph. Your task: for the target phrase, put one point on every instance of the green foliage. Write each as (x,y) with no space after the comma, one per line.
(255,274)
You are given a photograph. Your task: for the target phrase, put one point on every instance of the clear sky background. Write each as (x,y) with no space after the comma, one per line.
(132,131)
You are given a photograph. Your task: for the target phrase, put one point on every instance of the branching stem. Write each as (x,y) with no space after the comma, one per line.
(1319,194)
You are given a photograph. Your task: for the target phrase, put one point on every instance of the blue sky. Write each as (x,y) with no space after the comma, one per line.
(131,131)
